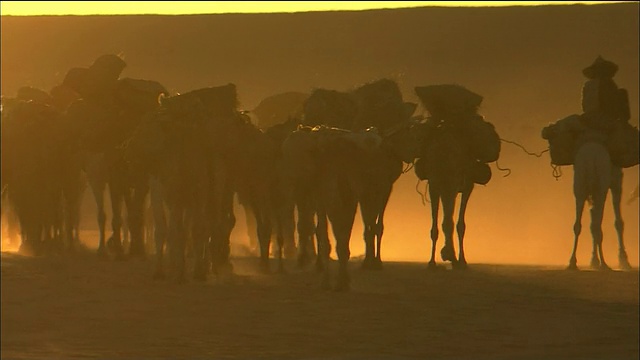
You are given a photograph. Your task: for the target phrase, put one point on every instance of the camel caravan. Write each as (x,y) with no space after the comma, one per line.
(307,162)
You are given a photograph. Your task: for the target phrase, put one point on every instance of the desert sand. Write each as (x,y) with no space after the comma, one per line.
(77,306)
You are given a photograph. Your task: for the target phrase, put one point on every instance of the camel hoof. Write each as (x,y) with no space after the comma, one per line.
(102,253)
(604,267)
(572,267)
(595,264)
(448,254)
(432,266)
(623,260)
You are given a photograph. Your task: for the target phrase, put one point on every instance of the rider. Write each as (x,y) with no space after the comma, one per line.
(601,103)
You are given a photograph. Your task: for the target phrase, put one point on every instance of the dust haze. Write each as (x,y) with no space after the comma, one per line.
(525,61)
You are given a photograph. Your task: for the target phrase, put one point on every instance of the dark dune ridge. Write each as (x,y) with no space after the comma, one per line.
(525,61)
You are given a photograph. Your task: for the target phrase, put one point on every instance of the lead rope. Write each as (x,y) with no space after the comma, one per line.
(423,197)
(556,172)
(408,168)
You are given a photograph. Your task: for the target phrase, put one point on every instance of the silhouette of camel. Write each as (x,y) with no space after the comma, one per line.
(594,175)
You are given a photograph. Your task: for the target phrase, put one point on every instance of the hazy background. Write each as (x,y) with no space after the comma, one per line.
(525,61)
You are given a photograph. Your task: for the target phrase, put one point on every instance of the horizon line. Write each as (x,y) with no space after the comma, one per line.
(92,8)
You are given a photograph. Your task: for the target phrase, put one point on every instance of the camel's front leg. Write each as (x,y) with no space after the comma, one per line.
(616,198)
(448,252)
(577,229)
(435,205)
(461,228)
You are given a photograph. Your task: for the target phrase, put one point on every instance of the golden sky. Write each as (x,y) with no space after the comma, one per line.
(210,7)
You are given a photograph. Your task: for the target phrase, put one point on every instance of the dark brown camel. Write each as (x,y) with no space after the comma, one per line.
(109,111)
(457,144)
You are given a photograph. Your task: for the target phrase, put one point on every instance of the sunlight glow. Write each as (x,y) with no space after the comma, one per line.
(30,8)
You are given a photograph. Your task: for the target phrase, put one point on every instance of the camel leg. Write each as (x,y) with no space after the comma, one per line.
(577,229)
(306,229)
(597,259)
(224,221)
(199,236)
(115,242)
(160,225)
(285,220)
(342,227)
(263,229)
(367,210)
(135,218)
(177,241)
(461,227)
(379,229)
(448,252)
(435,205)
(73,199)
(324,249)
(252,227)
(98,188)
(616,198)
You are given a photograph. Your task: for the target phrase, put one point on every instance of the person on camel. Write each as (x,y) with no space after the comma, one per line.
(601,99)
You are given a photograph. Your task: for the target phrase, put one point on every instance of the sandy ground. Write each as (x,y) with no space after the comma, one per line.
(78,306)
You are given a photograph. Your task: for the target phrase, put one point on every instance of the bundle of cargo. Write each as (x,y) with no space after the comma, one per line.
(566,135)
(279,108)
(331,108)
(97,81)
(455,108)
(139,95)
(561,136)
(623,144)
(458,106)
(448,101)
(379,105)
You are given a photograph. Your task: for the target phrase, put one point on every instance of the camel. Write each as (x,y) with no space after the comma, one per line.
(399,145)
(457,144)
(170,147)
(378,105)
(329,161)
(109,110)
(32,136)
(594,176)
(450,175)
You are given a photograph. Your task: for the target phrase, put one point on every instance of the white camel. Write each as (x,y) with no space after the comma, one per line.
(594,175)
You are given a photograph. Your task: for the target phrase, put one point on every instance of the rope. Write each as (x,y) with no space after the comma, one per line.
(524,149)
(557,171)
(505,169)
(408,168)
(423,197)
